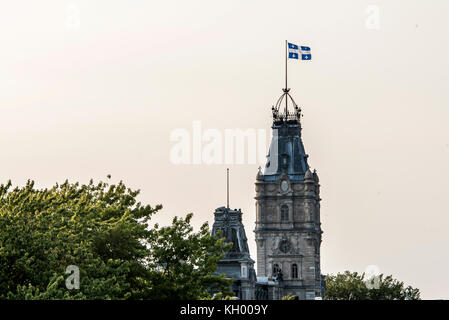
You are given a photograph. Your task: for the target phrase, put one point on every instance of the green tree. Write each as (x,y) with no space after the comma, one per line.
(183,260)
(354,286)
(104,231)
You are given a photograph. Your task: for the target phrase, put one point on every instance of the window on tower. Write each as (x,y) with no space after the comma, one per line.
(284,213)
(294,271)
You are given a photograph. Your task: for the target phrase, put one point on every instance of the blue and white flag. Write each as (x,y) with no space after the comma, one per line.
(295,51)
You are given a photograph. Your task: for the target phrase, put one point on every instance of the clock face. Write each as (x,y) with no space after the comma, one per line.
(284,185)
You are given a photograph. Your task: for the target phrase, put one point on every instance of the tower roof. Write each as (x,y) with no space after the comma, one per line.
(230,223)
(286,154)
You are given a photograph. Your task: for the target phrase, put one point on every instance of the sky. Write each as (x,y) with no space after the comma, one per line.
(91,88)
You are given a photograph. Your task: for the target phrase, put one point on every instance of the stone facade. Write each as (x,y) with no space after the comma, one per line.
(288,235)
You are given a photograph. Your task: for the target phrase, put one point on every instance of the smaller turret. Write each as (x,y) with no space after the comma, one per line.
(308,175)
(315,176)
(259,176)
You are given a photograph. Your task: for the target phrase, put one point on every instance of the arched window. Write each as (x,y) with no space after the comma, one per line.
(284,212)
(276,270)
(294,271)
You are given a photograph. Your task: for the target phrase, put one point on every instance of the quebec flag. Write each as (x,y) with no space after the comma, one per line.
(295,51)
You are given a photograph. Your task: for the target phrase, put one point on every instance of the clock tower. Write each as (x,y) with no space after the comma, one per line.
(288,229)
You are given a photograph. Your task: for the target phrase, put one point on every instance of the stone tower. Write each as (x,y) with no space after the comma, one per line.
(237,263)
(288,229)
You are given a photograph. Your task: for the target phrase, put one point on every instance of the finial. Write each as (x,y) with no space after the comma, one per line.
(308,175)
(259,174)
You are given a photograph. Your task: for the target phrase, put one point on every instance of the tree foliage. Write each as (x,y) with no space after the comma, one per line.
(354,286)
(104,231)
(186,260)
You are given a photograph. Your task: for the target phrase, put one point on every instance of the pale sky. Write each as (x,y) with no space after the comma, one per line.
(90,88)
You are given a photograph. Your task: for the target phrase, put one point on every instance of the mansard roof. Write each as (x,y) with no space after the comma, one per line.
(230,223)
(286,154)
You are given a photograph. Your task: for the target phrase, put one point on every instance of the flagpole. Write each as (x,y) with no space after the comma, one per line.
(286,79)
(285,64)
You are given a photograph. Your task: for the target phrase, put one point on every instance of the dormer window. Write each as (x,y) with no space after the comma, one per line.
(284,161)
